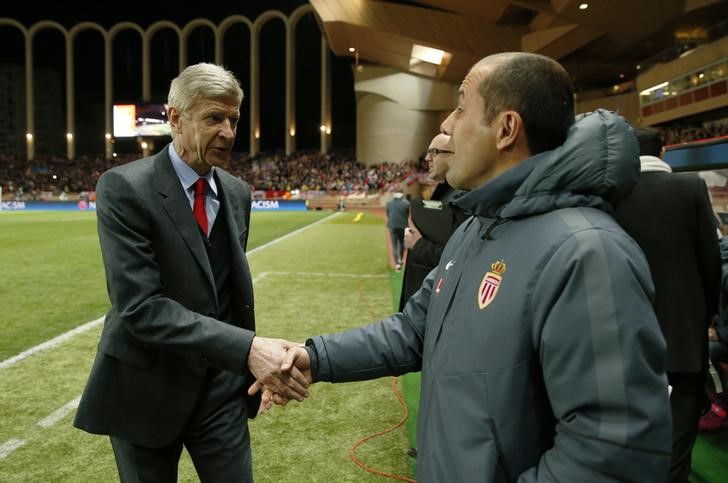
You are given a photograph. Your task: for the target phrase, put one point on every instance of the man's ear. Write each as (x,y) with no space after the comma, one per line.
(510,125)
(175,119)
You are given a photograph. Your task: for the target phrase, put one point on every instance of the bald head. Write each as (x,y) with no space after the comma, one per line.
(535,86)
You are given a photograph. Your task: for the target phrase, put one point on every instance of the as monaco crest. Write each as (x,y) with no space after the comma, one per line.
(491,282)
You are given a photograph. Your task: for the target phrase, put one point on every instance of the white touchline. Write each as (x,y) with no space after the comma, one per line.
(90,325)
(51,343)
(59,413)
(289,235)
(328,274)
(9,446)
(260,276)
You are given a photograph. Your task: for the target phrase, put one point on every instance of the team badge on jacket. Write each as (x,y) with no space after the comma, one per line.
(491,282)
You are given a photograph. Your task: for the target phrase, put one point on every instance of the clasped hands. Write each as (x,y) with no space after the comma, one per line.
(282,371)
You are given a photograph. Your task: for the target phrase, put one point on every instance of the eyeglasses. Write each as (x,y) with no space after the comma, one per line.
(436,151)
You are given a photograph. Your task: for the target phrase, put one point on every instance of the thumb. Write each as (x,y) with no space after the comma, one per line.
(254,388)
(289,359)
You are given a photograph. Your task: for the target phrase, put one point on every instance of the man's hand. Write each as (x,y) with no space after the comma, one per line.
(411,236)
(265,361)
(296,359)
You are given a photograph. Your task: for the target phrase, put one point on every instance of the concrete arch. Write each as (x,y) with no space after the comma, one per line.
(14,23)
(254,28)
(29,116)
(28,79)
(187,30)
(290,69)
(222,30)
(109,79)
(146,53)
(220,35)
(264,18)
(70,83)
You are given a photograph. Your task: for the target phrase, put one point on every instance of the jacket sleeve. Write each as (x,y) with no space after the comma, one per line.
(602,355)
(390,347)
(135,288)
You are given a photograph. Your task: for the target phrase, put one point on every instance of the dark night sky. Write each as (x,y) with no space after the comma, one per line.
(49,52)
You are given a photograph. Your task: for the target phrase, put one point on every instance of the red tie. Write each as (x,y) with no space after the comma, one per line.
(198,208)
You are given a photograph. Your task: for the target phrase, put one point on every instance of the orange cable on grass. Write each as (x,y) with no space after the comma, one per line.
(352,451)
(395,391)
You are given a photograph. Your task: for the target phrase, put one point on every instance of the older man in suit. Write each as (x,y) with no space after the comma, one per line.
(671,219)
(178,348)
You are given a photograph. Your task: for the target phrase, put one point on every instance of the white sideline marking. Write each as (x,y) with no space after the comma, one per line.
(59,413)
(327,274)
(9,446)
(89,325)
(260,277)
(50,343)
(289,235)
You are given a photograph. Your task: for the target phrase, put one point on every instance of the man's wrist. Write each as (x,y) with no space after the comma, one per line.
(310,348)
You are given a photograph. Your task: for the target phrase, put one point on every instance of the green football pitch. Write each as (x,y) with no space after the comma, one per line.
(314,272)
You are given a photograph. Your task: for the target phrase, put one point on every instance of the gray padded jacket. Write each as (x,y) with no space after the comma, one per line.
(541,356)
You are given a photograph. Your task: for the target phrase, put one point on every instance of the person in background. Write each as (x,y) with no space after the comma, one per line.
(397,218)
(671,219)
(717,417)
(541,356)
(431,223)
(178,348)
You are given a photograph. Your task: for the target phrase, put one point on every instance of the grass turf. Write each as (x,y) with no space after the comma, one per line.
(328,278)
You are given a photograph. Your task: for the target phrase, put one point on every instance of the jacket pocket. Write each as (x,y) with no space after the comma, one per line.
(127,350)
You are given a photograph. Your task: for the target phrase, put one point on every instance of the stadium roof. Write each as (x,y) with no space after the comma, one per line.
(601,44)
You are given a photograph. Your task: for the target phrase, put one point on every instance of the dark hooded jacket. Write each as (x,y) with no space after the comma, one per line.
(541,356)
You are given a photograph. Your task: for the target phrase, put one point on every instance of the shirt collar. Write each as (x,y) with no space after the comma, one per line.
(187,175)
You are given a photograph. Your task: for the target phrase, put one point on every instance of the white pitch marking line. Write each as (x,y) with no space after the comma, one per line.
(260,277)
(59,413)
(50,343)
(330,274)
(9,446)
(89,325)
(289,235)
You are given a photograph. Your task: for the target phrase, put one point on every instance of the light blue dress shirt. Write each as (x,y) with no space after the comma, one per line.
(188,177)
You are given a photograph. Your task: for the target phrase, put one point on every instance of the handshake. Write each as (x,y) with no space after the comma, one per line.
(282,370)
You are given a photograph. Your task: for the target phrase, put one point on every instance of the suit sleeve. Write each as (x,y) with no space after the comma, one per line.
(425,252)
(390,347)
(602,356)
(136,292)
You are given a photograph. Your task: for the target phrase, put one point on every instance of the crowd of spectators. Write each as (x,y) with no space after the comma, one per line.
(305,171)
(684,134)
(334,173)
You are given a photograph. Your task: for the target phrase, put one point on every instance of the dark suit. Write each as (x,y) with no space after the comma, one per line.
(164,355)
(436,222)
(671,219)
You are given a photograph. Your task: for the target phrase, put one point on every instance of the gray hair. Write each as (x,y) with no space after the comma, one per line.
(202,81)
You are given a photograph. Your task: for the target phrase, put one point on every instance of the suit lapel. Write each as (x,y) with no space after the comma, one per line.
(234,215)
(177,206)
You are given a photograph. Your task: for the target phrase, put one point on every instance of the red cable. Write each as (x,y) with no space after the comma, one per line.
(352,451)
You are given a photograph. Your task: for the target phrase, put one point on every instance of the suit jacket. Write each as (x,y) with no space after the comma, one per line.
(161,335)
(671,219)
(436,224)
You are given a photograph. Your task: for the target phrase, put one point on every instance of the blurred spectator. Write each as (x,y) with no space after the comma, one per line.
(670,217)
